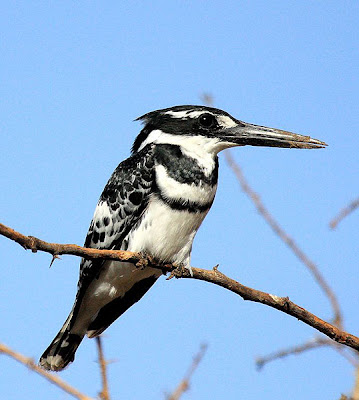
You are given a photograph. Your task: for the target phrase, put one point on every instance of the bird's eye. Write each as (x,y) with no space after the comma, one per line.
(207,120)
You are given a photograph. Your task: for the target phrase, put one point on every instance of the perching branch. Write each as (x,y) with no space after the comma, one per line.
(54,379)
(35,244)
(213,276)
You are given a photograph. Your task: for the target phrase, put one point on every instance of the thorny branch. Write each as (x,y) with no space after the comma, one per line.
(213,276)
(183,386)
(344,213)
(54,379)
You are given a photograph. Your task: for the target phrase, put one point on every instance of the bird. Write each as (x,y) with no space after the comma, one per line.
(154,204)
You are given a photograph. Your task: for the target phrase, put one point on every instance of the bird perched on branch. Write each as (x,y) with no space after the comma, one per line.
(154,203)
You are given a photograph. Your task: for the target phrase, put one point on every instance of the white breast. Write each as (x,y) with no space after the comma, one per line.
(165,233)
(169,187)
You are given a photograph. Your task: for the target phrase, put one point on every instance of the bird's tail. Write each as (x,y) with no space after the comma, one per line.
(62,349)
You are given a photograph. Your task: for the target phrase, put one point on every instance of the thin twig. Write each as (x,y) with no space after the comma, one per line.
(312,344)
(183,386)
(213,276)
(344,213)
(286,238)
(54,379)
(104,394)
(207,98)
(309,345)
(355,395)
(352,358)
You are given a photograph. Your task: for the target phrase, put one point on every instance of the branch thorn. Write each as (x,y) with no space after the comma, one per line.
(54,257)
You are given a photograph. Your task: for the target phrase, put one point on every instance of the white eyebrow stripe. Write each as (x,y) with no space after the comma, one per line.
(186,113)
(224,120)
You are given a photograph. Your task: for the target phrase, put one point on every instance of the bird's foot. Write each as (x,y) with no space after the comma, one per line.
(146,261)
(180,271)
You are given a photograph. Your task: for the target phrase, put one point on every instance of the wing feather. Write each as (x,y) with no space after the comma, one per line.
(121,205)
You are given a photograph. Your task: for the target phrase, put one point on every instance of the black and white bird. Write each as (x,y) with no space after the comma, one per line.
(154,203)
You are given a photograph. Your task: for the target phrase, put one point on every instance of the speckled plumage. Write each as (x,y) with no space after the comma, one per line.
(130,194)
(154,202)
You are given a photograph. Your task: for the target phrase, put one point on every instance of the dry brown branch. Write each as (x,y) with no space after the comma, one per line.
(312,344)
(355,394)
(185,383)
(104,394)
(207,98)
(54,379)
(344,212)
(35,244)
(213,276)
(309,345)
(280,303)
(279,231)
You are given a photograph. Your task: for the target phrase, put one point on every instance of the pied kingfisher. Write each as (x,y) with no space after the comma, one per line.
(154,203)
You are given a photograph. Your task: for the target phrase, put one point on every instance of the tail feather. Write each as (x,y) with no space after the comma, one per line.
(61,350)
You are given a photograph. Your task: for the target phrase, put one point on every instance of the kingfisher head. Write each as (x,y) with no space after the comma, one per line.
(213,130)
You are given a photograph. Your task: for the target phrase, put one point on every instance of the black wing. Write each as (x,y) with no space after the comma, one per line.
(121,205)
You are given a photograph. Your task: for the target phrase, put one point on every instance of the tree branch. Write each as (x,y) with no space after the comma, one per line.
(344,212)
(104,394)
(35,244)
(311,344)
(213,276)
(54,379)
(183,386)
(308,345)
(279,231)
(356,386)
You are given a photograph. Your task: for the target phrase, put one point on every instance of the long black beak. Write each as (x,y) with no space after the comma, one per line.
(255,135)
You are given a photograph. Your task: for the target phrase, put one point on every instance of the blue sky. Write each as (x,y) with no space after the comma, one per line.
(73,77)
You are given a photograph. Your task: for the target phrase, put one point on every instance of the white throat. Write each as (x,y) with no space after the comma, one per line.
(197,145)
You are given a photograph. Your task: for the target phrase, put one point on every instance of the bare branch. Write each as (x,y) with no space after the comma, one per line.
(184,384)
(344,213)
(351,357)
(280,303)
(355,395)
(54,379)
(286,238)
(213,276)
(104,394)
(208,99)
(312,344)
(309,345)
(35,244)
